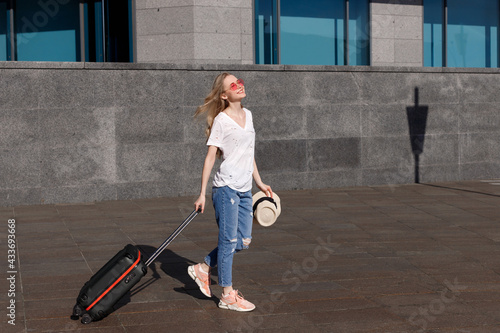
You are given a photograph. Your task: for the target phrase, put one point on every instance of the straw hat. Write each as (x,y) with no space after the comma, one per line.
(266,209)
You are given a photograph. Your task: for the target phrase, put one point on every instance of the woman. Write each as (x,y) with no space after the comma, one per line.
(231,136)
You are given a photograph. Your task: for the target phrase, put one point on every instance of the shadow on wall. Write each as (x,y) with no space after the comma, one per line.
(417,121)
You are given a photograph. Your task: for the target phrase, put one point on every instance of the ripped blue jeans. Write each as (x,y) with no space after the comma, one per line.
(234,216)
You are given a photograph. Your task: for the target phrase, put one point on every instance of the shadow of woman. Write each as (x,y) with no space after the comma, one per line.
(174,266)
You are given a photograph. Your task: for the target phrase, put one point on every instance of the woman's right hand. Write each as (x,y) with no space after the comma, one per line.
(200,203)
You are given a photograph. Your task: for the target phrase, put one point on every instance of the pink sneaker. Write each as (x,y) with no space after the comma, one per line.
(235,301)
(201,278)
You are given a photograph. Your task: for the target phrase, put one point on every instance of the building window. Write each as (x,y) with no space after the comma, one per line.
(316,32)
(6,26)
(433,33)
(66,30)
(47,31)
(3,30)
(266,46)
(461,33)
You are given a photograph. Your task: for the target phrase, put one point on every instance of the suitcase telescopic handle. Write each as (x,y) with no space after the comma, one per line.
(172,236)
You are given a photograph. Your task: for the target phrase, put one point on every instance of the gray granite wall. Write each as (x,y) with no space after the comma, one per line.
(396,32)
(75,132)
(195,31)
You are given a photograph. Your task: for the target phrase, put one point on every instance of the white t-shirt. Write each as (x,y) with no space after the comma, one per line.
(237,146)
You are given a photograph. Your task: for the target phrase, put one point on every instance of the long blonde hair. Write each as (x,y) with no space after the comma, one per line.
(213,104)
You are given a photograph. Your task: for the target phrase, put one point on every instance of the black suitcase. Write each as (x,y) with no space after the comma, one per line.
(106,287)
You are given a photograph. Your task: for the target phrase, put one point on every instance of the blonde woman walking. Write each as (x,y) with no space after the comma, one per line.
(231,137)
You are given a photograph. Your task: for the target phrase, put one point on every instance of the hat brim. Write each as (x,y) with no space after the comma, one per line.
(266,212)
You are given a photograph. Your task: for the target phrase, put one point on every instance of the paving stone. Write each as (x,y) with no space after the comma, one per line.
(65,324)
(354,259)
(191,327)
(358,320)
(165,316)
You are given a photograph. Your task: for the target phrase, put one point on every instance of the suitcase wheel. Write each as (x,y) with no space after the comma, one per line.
(86,319)
(77,312)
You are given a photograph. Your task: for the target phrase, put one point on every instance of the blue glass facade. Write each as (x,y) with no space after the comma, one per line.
(316,32)
(47,32)
(467,36)
(312,32)
(94,31)
(266,46)
(51,30)
(359,33)
(3,30)
(472,33)
(456,33)
(433,33)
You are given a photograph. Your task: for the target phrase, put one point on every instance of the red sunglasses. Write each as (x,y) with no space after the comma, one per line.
(234,86)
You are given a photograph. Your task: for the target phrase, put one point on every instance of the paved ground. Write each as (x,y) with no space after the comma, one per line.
(366,259)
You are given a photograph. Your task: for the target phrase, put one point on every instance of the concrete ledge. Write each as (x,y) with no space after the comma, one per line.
(238,67)
(41,65)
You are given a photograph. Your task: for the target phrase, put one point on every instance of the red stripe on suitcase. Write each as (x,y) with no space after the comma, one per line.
(116,282)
